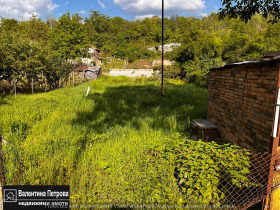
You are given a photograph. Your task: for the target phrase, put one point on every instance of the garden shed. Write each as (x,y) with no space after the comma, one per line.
(243,103)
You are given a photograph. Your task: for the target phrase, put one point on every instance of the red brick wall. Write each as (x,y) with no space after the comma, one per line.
(241,103)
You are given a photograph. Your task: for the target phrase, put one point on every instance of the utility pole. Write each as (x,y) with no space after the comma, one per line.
(162,46)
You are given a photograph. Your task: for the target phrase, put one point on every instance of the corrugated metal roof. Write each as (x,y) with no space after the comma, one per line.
(94,68)
(260,61)
(245,62)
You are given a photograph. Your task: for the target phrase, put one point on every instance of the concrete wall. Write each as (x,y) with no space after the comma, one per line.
(131,72)
(241,103)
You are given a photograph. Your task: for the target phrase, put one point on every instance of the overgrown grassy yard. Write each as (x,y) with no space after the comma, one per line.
(124,144)
(101,145)
(120,145)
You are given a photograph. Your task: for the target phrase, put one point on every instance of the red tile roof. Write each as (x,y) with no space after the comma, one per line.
(82,68)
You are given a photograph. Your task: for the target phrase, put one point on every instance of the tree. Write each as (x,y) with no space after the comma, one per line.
(98,22)
(8,24)
(34,29)
(272,37)
(246,9)
(68,38)
(56,68)
(19,57)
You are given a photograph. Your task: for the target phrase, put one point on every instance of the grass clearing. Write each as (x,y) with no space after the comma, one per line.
(101,144)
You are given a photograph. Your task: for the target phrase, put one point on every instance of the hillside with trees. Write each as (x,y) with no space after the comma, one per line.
(32,47)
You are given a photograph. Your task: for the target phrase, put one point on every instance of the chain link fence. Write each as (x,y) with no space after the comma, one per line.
(190,175)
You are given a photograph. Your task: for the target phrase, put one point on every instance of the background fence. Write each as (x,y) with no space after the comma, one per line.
(40,83)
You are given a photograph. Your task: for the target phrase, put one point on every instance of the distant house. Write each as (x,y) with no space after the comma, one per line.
(94,58)
(88,72)
(167,47)
(95,55)
(82,68)
(165,62)
(143,64)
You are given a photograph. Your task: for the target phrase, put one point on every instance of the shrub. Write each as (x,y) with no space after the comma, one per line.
(198,78)
(205,171)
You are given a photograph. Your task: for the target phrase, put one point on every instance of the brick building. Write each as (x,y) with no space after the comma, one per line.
(242,98)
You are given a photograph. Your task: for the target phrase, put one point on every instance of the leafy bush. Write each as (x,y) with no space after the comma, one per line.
(169,71)
(205,171)
(198,78)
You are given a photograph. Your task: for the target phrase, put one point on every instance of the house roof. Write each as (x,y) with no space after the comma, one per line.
(249,62)
(82,68)
(94,68)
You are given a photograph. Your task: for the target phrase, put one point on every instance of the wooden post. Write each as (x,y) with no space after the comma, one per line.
(45,84)
(2,173)
(84,75)
(15,87)
(32,84)
(73,78)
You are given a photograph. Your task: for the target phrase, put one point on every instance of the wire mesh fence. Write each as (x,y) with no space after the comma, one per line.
(40,83)
(218,184)
(191,175)
(236,180)
(249,185)
(159,185)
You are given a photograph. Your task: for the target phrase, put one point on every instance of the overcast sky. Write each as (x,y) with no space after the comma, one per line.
(127,9)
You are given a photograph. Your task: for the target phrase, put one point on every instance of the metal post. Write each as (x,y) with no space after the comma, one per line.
(162,46)
(274,146)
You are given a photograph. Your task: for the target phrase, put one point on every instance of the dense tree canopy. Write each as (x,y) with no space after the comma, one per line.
(248,8)
(36,46)
(68,38)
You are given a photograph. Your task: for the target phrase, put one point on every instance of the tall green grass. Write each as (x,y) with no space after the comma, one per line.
(101,144)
